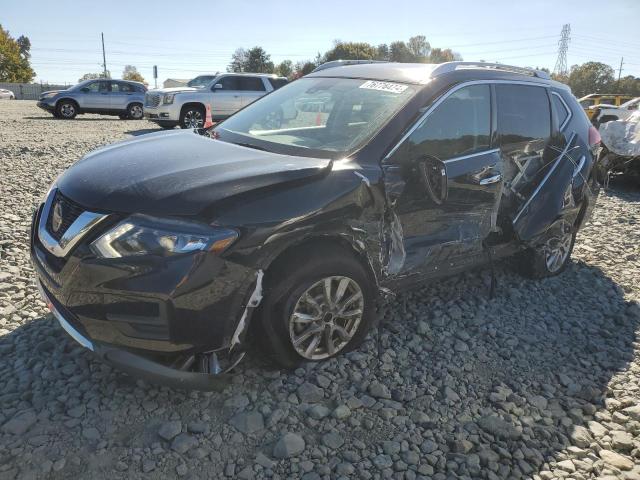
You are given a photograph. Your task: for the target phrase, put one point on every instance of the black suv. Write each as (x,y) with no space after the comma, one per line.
(166,254)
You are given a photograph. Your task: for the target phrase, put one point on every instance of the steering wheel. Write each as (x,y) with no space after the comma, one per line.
(433,175)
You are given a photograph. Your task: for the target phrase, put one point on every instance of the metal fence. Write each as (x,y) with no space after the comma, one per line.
(30,91)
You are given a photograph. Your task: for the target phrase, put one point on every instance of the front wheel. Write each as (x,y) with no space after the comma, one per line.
(317,307)
(67,109)
(135,112)
(551,257)
(192,117)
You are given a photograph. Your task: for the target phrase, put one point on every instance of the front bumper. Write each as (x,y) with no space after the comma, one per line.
(136,311)
(163,113)
(138,365)
(45,106)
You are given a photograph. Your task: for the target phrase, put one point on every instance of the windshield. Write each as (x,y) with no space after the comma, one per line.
(201,81)
(311,116)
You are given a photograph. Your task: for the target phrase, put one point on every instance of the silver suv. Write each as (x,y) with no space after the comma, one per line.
(107,97)
(226,94)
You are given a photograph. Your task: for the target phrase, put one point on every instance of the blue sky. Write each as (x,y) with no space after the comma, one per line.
(185,39)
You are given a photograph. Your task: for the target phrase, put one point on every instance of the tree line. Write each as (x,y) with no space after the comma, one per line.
(416,50)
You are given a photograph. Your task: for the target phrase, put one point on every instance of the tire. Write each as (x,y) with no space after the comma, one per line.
(288,283)
(192,116)
(67,109)
(135,111)
(538,262)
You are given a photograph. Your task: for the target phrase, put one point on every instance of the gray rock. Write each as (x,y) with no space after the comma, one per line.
(20,423)
(332,440)
(183,443)
(498,427)
(148,465)
(379,390)
(266,462)
(310,393)
(616,460)
(290,445)
(318,412)
(621,440)
(382,461)
(182,470)
(248,422)
(91,433)
(168,430)
(341,412)
(581,437)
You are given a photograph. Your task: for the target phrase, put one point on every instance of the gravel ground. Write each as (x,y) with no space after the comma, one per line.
(540,382)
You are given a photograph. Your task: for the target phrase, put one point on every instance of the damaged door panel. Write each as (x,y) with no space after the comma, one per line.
(444,183)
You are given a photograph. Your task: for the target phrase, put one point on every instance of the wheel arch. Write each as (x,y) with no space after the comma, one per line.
(323,244)
(191,104)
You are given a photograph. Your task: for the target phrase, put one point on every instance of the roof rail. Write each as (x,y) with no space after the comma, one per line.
(452,66)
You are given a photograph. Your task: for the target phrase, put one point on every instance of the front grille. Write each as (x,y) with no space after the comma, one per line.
(69,211)
(151,100)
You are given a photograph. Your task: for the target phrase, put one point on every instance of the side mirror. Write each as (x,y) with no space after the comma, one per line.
(433,175)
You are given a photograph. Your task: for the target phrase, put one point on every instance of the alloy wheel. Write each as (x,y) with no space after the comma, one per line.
(557,250)
(326,317)
(67,110)
(136,112)
(193,119)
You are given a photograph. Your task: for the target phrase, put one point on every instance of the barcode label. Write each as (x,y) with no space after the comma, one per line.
(384,86)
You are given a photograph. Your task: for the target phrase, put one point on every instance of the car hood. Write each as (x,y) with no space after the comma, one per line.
(174,90)
(52,91)
(177,173)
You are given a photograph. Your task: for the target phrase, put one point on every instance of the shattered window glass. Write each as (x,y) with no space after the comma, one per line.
(460,125)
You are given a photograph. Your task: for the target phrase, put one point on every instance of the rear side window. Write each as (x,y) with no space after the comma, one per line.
(253,84)
(460,125)
(523,113)
(276,83)
(559,110)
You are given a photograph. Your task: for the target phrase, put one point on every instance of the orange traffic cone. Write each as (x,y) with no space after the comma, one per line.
(208,121)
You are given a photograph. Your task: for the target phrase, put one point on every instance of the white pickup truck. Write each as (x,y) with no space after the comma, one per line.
(226,94)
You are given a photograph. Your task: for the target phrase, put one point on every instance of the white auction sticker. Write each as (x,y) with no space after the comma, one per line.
(384,86)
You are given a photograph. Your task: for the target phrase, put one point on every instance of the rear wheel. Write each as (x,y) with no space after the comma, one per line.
(317,307)
(551,257)
(135,112)
(192,117)
(67,109)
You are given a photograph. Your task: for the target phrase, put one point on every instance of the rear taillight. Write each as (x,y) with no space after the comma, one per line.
(594,137)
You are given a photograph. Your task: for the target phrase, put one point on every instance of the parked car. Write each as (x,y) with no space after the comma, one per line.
(595,99)
(7,94)
(107,97)
(604,113)
(226,94)
(168,255)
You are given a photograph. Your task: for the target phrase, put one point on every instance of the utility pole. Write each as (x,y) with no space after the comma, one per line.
(620,70)
(104,57)
(561,67)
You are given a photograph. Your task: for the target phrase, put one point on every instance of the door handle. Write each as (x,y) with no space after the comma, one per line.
(490,180)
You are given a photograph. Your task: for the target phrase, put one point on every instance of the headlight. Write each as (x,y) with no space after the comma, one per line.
(168,98)
(142,235)
(49,95)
